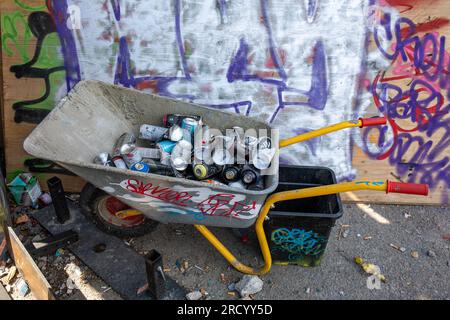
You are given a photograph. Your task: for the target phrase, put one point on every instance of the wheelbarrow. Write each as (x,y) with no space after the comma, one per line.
(93,115)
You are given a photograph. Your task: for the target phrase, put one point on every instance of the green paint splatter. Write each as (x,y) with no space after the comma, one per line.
(11,24)
(50,56)
(29,8)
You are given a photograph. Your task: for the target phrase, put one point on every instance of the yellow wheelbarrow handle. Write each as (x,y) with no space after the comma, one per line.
(387,186)
(362,122)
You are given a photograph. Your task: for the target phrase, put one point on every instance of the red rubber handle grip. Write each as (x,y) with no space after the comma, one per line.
(367,122)
(407,188)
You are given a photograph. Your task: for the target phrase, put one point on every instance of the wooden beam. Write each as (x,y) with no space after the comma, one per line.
(39,286)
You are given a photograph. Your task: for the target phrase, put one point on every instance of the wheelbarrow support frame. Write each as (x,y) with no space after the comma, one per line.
(387,186)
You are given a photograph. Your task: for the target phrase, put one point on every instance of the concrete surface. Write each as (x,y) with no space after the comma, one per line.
(118,265)
(415,228)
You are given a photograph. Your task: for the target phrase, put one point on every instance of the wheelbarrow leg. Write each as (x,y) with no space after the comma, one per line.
(232,259)
(388,186)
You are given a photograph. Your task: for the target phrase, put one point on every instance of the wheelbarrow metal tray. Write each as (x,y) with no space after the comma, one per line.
(90,119)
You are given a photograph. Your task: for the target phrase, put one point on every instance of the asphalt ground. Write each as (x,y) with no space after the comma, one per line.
(409,244)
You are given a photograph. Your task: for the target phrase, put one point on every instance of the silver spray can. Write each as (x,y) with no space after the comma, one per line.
(125,144)
(175,133)
(152,133)
(132,158)
(104,159)
(149,153)
(119,163)
(181,155)
(262,153)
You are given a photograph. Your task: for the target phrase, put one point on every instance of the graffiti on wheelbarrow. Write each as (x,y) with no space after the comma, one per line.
(199,202)
(300,65)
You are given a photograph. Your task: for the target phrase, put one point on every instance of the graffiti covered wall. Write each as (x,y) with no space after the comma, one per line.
(297,64)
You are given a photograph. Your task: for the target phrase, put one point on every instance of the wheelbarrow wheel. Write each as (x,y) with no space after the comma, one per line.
(113,216)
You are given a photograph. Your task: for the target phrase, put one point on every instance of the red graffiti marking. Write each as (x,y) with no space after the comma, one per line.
(429,26)
(148,84)
(220,205)
(164,194)
(407,5)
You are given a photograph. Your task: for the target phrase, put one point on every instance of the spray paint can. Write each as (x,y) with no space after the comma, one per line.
(132,158)
(249,175)
(203,154)
(125,144)
(104,159)
(175,133)
(262,158)
(119,163)
(204,171)
(206,136)
(240,148)
(262,153)
(181,155)
(222,157)
(151,132)
(231,173)
(171,119)
(156,167)
(149,153)
(190,125)
(257,185)
(165,148)
(140,167)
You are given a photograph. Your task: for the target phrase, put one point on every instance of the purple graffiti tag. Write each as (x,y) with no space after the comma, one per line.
(180,42)
(311,9)
(418,116)
(405,37)
(273,52)
(125,77)
(222,6)
(68,46)
(318,93)
(116,7)
(236,106)
(316,96)
(123,73)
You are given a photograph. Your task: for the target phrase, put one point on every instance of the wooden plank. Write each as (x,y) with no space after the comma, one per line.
(13,91)
(39,286)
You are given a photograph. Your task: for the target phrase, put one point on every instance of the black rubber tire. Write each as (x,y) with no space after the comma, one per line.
(89,198)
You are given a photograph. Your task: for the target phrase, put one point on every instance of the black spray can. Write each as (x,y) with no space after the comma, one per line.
(177,119)
(231,173)
(250,175)
(157,167)
(258,184)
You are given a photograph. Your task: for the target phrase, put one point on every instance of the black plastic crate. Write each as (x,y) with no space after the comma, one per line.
(298,230)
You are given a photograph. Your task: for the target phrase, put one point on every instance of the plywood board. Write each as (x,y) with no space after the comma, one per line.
(299,65)
(39,286)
